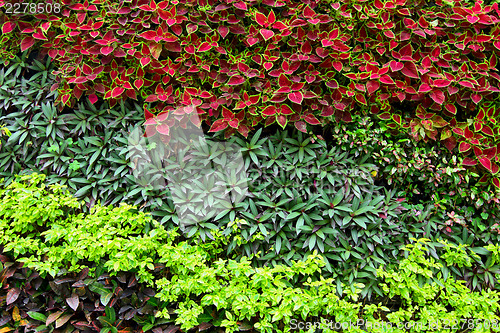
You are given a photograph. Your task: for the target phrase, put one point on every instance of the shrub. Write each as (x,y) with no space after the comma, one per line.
(81,149)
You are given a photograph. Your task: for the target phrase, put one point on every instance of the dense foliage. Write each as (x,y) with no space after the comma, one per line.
(427,68)
(274,161)
(292,183)
(145,276)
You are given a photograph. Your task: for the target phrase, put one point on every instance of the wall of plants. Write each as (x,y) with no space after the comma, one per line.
(344,194)
(370,156)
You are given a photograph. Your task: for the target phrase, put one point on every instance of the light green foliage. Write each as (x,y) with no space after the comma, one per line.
(430,299)
(30,207)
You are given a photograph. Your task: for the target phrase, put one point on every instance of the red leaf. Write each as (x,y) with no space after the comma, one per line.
(271,18)
(311,119)
(372,86)
(296,97)
(285,109)
(8,27)
(396,66)
(152,98)
(308,12)
(397,118)
(487,130)
(468,133)
(92,98)
(389,34)
(26,43)
(301,126)
(243,130)
(410,70)
(138,83)
(53,317)
(385,116)
(234,123)
(163,129)
(451,108)
(227,114)
(252,41)
(267,34)
(450,143)
(332,84)
(223,31)
(486,163)
(236,80)
(73,301)
(65,99)
(131,94)
(469,161)
(466,84)
(117,92)
(281,121)
(218,125)
(145,61)
(326,42)
(361,99)
(476,98)
(204,47)
(340,106)
(452,90)
(337,65)
(496,182)
(105,50)
(306,47)
(241,5)
(386,79)
(437,96)
(472,19)
(464,146)
(13,295)
(261,19)
(424,87)
(480,115)
(347,117)
(441,83)
(269,111)
(490,152)
(268,65)
(283,81)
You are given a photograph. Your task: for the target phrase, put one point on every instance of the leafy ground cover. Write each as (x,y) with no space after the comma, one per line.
(416,189)
(145,277)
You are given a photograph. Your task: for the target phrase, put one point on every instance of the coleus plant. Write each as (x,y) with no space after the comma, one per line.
(243,63)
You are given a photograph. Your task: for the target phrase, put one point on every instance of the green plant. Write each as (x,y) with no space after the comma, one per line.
(433,299)
(191,282)
(26,83)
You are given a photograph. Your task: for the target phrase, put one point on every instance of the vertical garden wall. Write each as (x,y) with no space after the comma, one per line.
(361,126)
